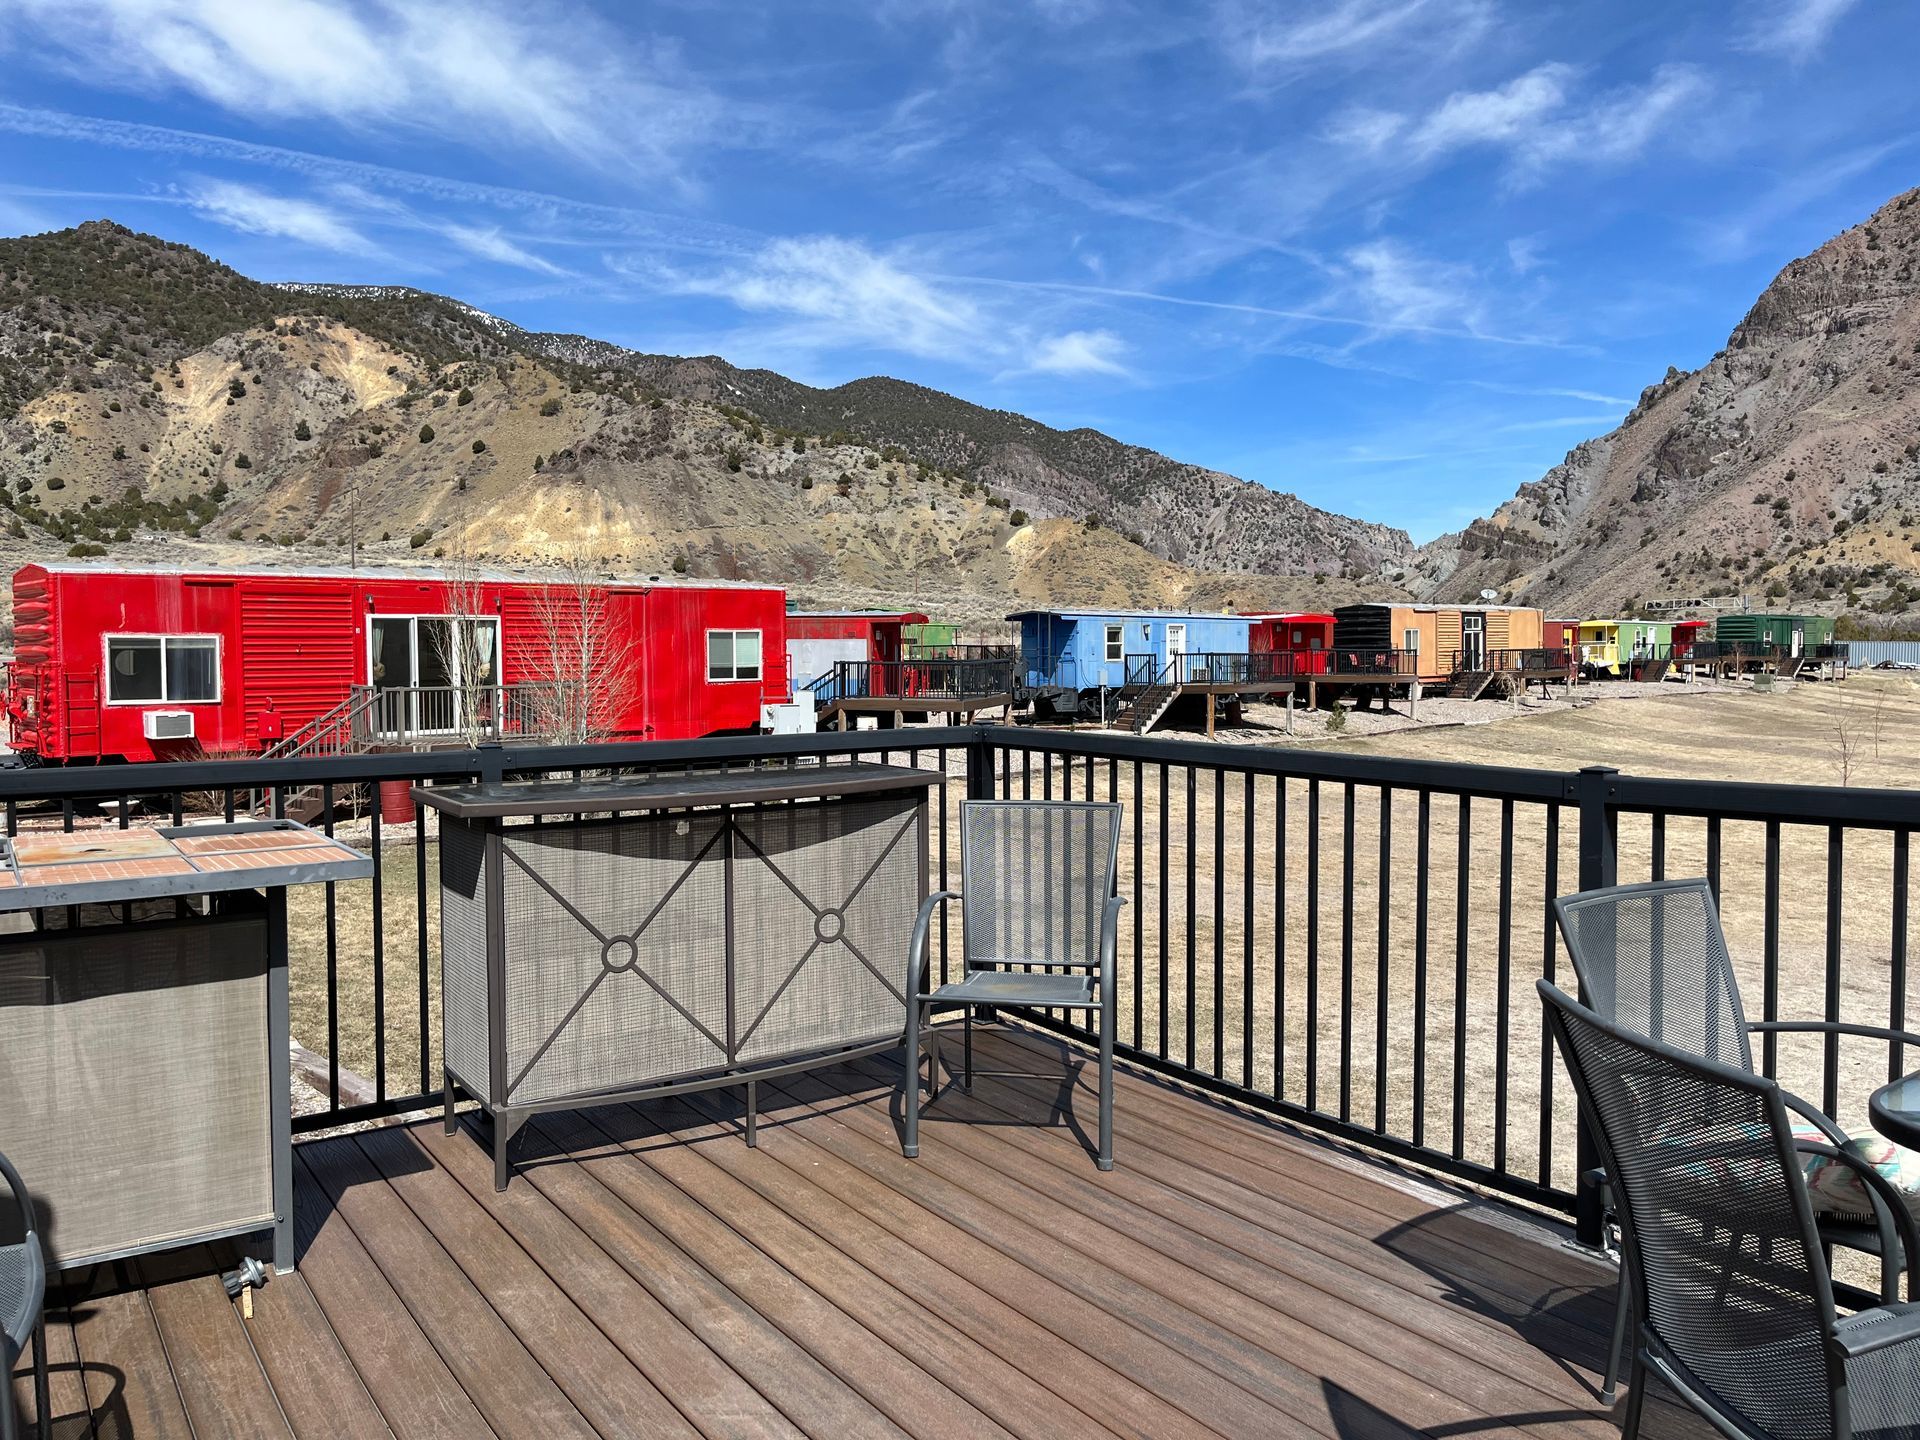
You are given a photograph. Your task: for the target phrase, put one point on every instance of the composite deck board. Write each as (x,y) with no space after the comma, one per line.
(1342,1302)
(646,1273)
(66,1391)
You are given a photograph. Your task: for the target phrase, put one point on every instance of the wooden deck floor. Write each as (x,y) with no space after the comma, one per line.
(647,1274)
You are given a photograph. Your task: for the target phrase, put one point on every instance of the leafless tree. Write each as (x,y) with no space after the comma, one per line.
(466,646)
(1848,742)
(581,662)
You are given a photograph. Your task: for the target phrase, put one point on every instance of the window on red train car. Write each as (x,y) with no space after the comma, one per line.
(164,669)
(733,655)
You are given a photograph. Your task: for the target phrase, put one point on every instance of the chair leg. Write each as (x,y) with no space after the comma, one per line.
(1636,1397)
(9,1410)
(1105,1160)
(966,1040)
(910,1064)
(42,1400)
(1622,1307)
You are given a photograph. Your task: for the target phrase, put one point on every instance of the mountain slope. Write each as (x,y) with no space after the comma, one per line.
(153,400)
(1786,469)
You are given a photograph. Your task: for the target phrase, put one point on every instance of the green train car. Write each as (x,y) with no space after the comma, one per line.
(1767,630)
(930,635)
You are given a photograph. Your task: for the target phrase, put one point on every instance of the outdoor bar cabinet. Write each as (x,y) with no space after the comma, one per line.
(609,940)
(144,1038)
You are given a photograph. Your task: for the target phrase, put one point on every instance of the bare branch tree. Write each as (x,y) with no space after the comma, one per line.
(466,645)
(583,661)
(1846,741)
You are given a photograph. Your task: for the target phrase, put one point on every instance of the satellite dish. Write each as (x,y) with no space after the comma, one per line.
(1489,594)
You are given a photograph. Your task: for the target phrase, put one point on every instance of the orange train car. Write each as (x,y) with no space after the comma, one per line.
(1430,643)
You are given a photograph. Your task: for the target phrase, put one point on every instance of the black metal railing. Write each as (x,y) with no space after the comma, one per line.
(1346,660)
(1555,660)
(960,650)
(908,680)
(1345,940)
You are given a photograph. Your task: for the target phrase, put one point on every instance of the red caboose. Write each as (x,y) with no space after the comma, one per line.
(817,640)
(127,664)
(1307,636)
(1687,633)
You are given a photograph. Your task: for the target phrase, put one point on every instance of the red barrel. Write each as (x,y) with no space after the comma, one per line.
(396,802)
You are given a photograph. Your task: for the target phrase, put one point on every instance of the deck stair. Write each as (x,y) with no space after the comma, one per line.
(1146,708)
(1652,669)
(343,730)
(1472,684)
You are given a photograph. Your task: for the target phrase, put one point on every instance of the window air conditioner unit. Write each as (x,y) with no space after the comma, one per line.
(167,724)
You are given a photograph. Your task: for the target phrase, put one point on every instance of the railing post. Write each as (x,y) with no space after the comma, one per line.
(1595,788)
(979,767)
(493,768)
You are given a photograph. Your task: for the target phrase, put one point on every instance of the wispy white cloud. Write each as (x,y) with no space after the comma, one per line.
(663,230)
(1080,352)
(1736,236)
(488,243)
(1793,29)
(1523,253)
(1542,122)
(258,212)
(474,72)
(1260,35)
(1512,113)
(1407,291)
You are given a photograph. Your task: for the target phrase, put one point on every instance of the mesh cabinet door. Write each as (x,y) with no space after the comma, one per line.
(133,1082)
(824,902)
(615,942)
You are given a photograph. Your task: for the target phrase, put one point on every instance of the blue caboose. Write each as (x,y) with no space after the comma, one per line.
(1069,659)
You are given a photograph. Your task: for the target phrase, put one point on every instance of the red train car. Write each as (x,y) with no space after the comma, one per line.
(818,639)
(130,664)
(1306,635)
(1686,633)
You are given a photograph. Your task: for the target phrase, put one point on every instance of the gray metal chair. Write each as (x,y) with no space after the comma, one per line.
(1653,958)
(1040,924)
(23,1293)
(1733,1300)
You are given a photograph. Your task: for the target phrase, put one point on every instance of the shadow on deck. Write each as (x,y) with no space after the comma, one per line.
(648,1274)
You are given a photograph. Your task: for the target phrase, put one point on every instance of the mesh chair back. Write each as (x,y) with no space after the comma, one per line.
(1035,878)
(1653,958)
(1729,1278)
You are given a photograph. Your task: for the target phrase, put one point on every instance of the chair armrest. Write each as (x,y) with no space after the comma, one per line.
(1891,1218)
(1109,942)
(21,1195)
(1870,1330)
(917,945)
(1833,1027)
(1817,1117)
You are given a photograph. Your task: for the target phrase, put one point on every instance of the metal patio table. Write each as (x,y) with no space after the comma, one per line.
(1895,1111)
(618,939)
(144,1067)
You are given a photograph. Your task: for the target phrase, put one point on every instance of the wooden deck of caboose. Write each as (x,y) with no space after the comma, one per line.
(646,1273)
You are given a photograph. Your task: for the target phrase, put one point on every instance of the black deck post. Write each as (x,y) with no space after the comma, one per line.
(1596,787)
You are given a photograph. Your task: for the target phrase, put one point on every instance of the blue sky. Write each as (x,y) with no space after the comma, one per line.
(1397,256)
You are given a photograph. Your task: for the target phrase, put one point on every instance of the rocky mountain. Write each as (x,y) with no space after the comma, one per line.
(152,400)
(1785,470)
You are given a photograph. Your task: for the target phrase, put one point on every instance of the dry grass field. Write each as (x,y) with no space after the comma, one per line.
(1275,911)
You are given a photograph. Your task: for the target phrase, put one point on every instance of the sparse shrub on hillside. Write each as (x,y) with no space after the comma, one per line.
(426,434)
(419,538)
(242,461)
(872,462)
(56,483)
(799,444)
(734,458)
(550,406)
(806,483)
(539,463)
(302,431)
(119,452)
(479,447)
(85,550)
(465,397)
(236,388)
(679,564)
(59,427)
(1017,518)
